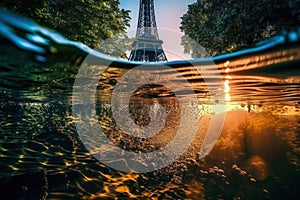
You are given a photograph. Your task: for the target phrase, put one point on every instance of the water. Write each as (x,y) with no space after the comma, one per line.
(43,156)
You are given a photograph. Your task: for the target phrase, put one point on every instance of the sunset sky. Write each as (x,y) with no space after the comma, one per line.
(168,13)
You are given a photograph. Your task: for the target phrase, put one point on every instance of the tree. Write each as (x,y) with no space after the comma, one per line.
(226,26)
(88,21)
(117,46)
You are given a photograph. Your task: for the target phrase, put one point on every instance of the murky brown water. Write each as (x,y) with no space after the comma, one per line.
(43,156)
(257,156)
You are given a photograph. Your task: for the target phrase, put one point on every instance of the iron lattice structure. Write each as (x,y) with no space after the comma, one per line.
(147,46)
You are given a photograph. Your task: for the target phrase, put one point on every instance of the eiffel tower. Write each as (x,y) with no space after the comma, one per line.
(148,46)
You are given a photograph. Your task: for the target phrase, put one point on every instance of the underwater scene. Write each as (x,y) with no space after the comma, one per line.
(78,124)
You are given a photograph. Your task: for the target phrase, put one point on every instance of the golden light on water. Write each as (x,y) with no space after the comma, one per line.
(227,90)
(227,83)
(226,64)
(256,157)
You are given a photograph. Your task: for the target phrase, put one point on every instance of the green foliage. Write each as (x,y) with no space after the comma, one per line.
(117,46)
(88,21)
(226,26)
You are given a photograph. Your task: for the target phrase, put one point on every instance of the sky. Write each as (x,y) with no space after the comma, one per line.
(167,13)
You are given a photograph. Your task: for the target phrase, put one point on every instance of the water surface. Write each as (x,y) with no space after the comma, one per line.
(43,157)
